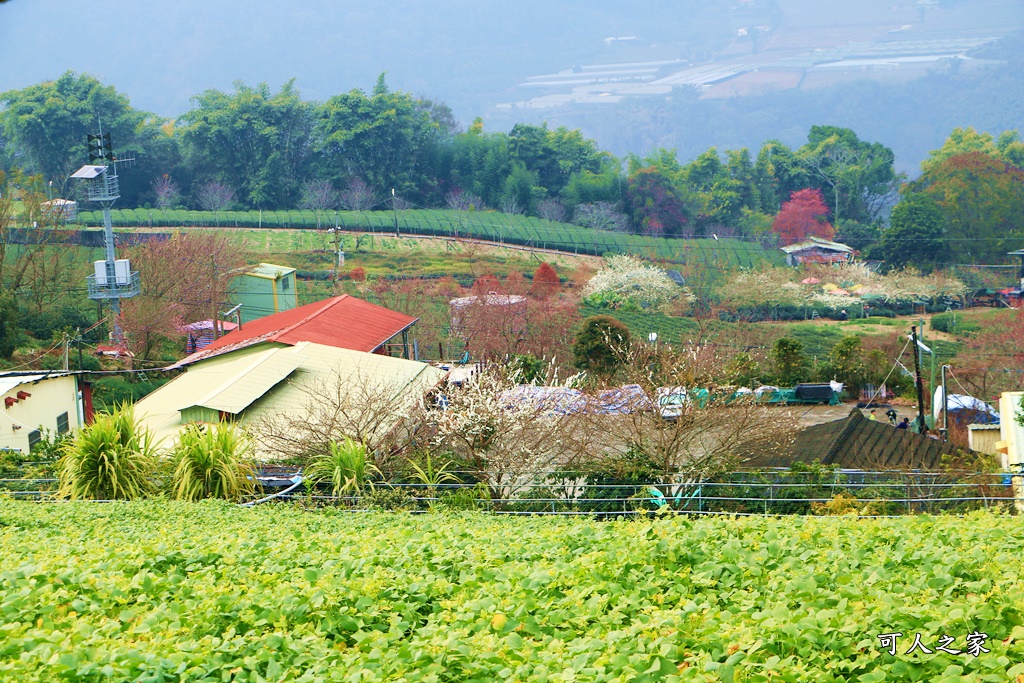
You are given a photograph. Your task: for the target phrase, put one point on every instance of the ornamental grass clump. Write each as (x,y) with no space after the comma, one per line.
(344,467)
(213,461)
(110,459)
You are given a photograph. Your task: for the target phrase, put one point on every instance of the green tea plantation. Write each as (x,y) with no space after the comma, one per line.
(159,591)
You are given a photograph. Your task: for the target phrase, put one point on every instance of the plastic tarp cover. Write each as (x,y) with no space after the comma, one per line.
(814,392)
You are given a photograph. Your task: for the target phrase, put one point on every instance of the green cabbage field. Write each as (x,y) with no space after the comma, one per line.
(159,591)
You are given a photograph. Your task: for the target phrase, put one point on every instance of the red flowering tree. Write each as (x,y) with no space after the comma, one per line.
(804,215)
(545,281)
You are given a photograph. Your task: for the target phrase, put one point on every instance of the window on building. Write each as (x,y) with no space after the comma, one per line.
(285,283)
(34,437)
(62,423)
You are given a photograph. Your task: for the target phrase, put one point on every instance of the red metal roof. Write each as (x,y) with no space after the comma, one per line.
(343,322)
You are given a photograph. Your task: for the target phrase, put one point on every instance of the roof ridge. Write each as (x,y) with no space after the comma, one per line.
(320,311)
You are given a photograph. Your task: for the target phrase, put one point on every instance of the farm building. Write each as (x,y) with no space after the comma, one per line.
(817,250)
(248,384)
(264,290)
(64,209)
(39,403)
(342,322)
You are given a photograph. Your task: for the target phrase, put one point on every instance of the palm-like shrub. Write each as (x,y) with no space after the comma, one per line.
(110,459)
(344,467)
(213,461)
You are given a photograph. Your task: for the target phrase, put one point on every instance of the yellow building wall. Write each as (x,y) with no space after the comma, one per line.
(984,440)
(49,398)
(1011,434)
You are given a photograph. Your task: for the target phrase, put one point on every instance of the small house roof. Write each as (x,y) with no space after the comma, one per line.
(254,383)
(13,380)
(343,322)
(818,243)
(269,271)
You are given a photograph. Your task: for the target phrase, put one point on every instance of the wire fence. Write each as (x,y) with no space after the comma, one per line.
(857,493)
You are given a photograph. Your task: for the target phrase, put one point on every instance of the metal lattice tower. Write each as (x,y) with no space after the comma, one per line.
(113,279)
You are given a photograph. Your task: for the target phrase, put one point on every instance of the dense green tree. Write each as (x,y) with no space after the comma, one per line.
(657,205)
(387,139)
(982,202)
(600,346)
(855,177)
(44,126)
(789,361)
(914,235)
(255,141)
(846,362)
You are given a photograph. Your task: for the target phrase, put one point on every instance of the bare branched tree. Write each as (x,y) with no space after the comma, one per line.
(318,196)
(510,205)
(346,402)
(601,216)
(507,437)
(166,192)
(551,210)
(358,196)
(660,414)
(459,200)
(214,196)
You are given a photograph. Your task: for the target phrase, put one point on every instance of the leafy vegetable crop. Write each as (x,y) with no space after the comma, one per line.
(159,591)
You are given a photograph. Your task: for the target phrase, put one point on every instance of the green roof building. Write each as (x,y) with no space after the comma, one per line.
(264,290)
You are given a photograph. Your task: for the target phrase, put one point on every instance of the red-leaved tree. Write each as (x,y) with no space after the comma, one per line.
(545,281)
(803,216)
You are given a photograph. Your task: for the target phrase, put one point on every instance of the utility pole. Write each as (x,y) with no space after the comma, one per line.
(945,407)
(394,210)
(213,298)
(922,427)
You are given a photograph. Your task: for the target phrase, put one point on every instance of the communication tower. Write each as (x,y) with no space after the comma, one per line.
(113,278)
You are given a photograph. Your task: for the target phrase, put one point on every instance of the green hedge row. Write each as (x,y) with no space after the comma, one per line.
(492,226)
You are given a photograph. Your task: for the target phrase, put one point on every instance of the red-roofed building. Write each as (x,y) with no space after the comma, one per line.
(343,322)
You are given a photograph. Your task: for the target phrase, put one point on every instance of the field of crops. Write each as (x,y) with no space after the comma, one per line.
(493,226)
(211,592)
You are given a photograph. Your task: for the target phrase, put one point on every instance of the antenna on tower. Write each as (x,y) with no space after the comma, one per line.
(113,278)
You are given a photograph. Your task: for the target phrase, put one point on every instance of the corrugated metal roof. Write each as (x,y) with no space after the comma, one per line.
(269,270)
(252,382)
(813,242)
(353,371)
(8,382)
(343,322)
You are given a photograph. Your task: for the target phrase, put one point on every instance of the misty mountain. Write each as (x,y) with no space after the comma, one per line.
(688,74)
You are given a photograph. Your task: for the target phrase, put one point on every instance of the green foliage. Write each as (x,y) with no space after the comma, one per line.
(954,323)
(212,461)
(110,459)
(789,361)
(485,225)
(600,344)
(9,329)
(480,598)
(528,367)
(476,497)
(914,235)
(344,468)
(387,498)
(114,390)
(429,474)
(846,362)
